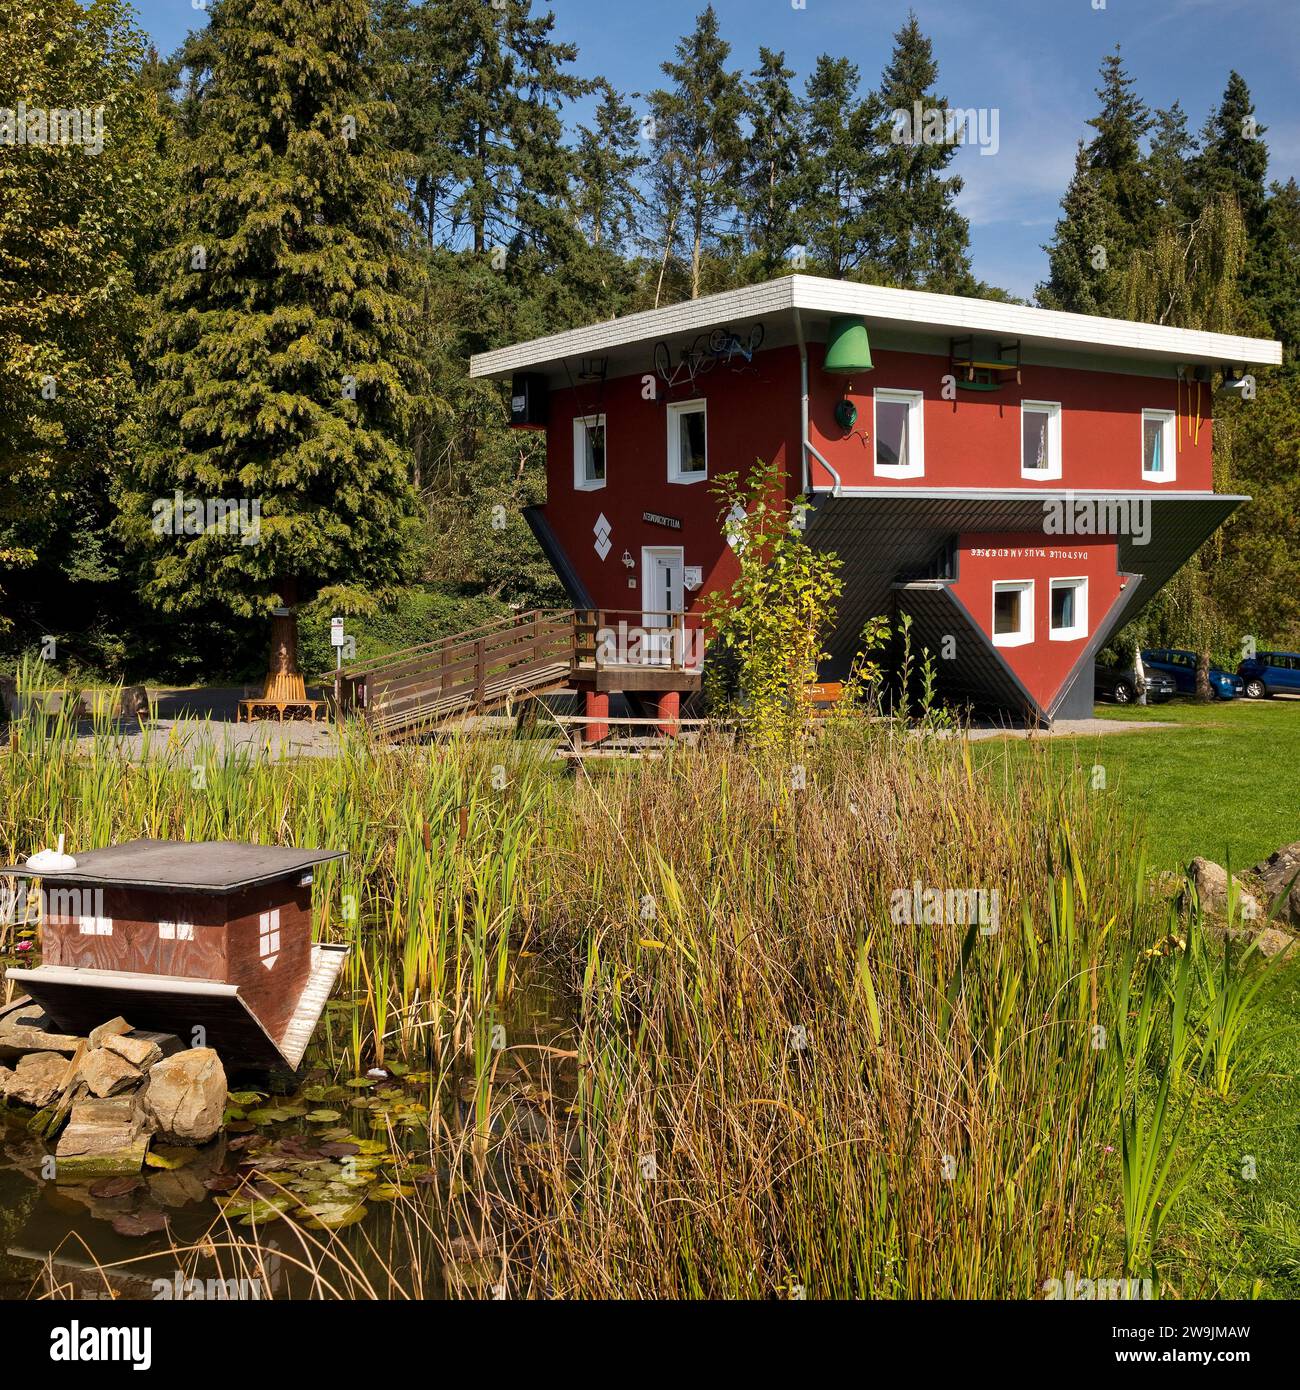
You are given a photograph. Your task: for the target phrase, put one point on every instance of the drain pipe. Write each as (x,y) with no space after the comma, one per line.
(807,446)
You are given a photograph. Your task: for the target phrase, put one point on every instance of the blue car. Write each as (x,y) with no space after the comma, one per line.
(1181,667)
(1270,673)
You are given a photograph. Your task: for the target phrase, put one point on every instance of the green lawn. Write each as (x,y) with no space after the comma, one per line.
(1224,782)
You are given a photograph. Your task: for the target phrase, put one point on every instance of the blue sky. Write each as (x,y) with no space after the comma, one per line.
(1033,61)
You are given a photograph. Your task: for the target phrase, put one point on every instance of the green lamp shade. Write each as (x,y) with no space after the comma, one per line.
(847,348)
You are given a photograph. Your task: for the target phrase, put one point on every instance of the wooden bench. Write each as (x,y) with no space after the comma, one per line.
(247,708)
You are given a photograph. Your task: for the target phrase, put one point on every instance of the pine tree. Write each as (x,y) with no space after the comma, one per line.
(280,339)
(841,170)
(1080,279)
(481,89)
(1277,286)
(1169,160)
(924,240)
(774,161)
(605,199)
(1234,158)
(697,149)
(1115,154)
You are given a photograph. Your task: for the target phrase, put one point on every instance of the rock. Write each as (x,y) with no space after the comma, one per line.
(37,1079)
(1272,941)
(114,1028)
(9,697)
(106,1073)
(1211,881)
(25,1027)
(5,1074)
(1274,876)
(103,1138)
(142,1053)
(134,702)
(186,1096)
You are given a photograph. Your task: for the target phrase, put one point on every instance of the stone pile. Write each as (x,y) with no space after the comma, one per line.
(105,1097)
(1271,886)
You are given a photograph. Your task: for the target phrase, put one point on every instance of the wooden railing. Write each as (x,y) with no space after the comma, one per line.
(514,657)
(606,637)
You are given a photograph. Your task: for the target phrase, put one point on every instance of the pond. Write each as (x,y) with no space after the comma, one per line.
(357,1185)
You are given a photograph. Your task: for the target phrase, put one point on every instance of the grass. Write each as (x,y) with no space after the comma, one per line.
(1222,782)
(776,1083)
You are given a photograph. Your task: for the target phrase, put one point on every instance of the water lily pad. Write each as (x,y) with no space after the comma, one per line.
(334,1216)
(360,1083)
(115,1187)
(323,1117)
(341,1150)
(140,1223)
(389,1192)
(245,1098)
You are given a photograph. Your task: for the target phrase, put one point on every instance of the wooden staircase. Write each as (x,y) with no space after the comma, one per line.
(487,668)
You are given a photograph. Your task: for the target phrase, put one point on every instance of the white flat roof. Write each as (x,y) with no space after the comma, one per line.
(909,309)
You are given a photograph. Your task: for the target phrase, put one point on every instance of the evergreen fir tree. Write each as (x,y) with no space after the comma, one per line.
(1080,279)
(774,161)
(925,241)
(1234,158)
(1115,156)
(841,170)
(697,148)
(280,339)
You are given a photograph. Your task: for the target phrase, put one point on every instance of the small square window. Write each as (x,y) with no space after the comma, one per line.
(688,460)
(1040,439)
(166,931)
(900,451)
(1013,612)
(1069,609)
(589,452)
(1158,444)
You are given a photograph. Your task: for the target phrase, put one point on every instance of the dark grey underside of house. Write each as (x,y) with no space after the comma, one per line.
(889,545)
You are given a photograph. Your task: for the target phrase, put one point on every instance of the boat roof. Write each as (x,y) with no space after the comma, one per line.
(205,866)
(773,303)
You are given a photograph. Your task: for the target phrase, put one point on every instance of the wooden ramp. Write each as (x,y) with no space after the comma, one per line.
(516,658)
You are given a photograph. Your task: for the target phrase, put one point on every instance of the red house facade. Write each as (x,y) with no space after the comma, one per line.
(1018,481)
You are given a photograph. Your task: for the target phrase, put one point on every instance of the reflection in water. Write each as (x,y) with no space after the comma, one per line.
(371,1165)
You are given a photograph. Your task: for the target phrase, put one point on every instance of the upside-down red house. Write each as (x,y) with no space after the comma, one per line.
(1018,481)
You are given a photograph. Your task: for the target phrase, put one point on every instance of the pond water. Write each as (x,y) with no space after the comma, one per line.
(370,1165)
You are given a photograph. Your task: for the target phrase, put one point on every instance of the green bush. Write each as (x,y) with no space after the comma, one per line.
(419,615)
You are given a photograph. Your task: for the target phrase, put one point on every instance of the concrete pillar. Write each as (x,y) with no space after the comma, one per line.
(670,708)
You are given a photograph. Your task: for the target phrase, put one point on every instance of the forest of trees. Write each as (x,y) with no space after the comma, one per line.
(270,281)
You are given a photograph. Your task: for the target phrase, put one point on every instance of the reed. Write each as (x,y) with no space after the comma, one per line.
(777,1084)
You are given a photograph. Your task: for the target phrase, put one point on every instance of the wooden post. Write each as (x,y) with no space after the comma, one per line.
(480,671)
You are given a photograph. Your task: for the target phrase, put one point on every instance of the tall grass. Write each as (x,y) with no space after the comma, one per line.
(776,1087)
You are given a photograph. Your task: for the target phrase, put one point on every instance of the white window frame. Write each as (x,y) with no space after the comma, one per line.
(268,933)
(175,931)
(581,424)
(915,402)
(1052,409)
(1026,634)
(96,926)
(1168,419)
(1079,583)
(698,406)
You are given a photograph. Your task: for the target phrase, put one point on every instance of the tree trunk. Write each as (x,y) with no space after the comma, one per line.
(284,681)
(1203,692)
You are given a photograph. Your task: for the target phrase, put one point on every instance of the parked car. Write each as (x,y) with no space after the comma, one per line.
(1270,673)
(1119,685)
(1180,666)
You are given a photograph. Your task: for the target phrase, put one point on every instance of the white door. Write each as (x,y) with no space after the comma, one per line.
(662,572)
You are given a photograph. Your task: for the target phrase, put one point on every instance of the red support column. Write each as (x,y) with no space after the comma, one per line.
(596,707)
(670,708)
